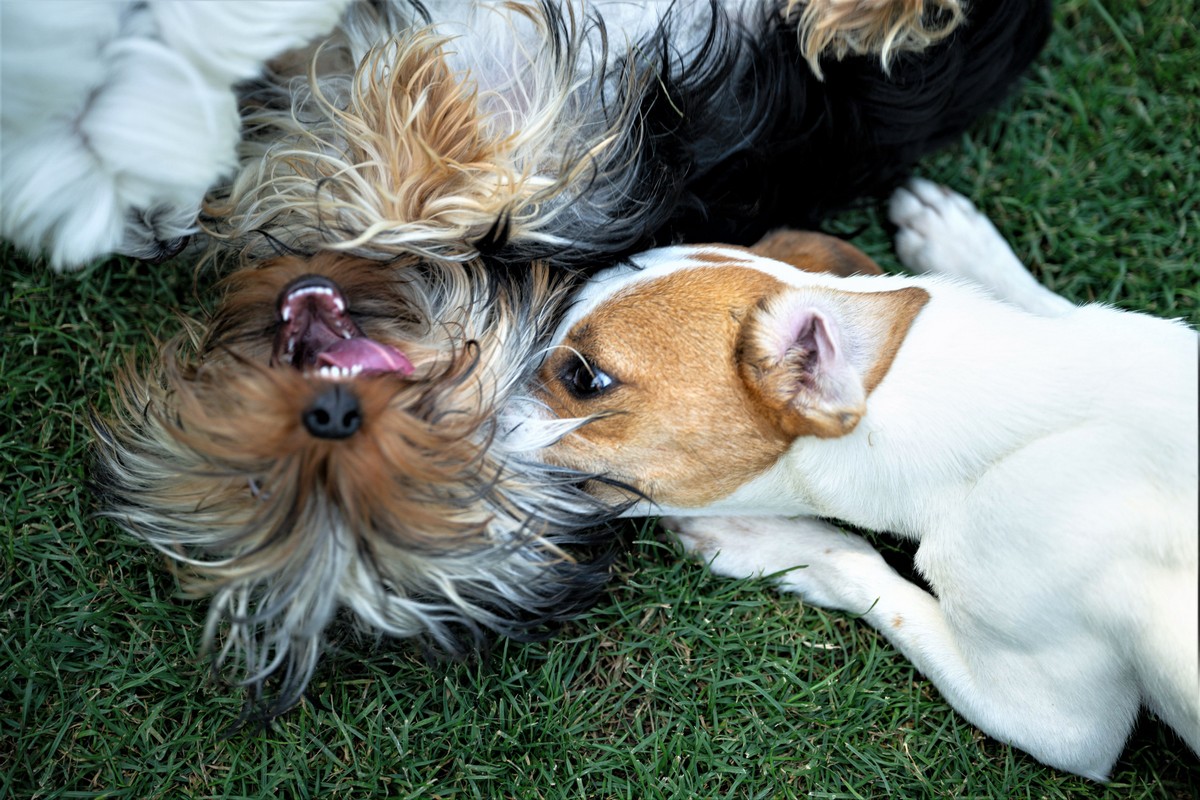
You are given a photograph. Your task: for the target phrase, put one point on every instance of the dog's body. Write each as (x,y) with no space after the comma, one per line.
(1045,459)
(415,200)
(118,118)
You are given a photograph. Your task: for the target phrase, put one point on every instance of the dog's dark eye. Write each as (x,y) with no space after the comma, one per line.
(584,381)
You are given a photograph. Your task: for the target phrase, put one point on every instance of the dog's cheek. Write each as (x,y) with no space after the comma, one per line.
(241,417)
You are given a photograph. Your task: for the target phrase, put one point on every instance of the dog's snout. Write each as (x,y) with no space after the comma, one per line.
(334,414)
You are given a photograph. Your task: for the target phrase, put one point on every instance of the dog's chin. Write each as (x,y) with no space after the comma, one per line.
(410,511)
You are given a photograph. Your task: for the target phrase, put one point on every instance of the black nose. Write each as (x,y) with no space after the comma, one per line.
(334,414)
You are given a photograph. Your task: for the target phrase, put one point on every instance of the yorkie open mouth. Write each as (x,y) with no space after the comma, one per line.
(318,337)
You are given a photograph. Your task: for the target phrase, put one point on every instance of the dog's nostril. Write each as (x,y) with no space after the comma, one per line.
(333,414)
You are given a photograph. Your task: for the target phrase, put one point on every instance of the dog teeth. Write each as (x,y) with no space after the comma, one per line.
(335,298)
(325,290)
(330,372)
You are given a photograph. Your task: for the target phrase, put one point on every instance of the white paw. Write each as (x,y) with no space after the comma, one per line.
(825,566)
(942,232)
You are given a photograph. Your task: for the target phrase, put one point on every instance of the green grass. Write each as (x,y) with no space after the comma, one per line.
(679,684)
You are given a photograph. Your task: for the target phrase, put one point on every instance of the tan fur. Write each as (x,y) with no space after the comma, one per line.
(228,410)
(689,323)
(896,311)
(815,252)
(409,144)
(773,380)
(884,28)
(278,525)
(411,158)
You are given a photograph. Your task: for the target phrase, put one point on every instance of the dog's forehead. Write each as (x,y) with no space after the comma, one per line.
(654,264)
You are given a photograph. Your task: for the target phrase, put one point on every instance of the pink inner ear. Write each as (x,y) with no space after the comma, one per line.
(811,337)
(809,352)
(787,328)
(805,331)
(811,334)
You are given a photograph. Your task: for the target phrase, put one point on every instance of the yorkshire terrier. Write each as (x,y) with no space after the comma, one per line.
(417,198)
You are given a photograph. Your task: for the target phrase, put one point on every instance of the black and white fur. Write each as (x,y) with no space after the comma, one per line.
(634,124)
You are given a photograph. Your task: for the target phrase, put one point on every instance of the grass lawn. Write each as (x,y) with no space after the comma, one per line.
(678,684)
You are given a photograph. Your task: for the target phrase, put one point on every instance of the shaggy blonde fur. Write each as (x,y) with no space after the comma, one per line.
(410,157)
(884,28)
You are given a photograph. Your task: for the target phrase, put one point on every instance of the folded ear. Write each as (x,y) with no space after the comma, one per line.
(812,356)
(815,252)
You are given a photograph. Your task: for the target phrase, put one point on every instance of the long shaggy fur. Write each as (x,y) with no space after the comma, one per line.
(118,115)
(536,143)
(454,167)
(883,28)
(702,125)
(420,524)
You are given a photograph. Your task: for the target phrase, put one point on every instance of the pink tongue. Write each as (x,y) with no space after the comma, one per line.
(369,355)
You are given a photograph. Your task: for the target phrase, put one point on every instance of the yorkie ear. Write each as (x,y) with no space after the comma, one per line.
(885,28)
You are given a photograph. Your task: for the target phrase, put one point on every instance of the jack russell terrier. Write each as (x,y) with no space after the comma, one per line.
(1043,455)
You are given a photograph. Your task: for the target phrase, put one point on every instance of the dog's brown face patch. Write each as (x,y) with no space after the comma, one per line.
(656,361)
(692,380)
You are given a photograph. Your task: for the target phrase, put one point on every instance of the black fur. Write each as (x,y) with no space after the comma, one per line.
(739,137)
(858,133)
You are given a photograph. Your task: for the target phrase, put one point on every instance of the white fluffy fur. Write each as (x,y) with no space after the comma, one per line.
(118,116)
(1044,456)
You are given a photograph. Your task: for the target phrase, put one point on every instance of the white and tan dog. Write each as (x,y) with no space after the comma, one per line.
(1044,456)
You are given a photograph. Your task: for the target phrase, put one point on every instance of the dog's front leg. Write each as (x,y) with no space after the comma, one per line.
(812,558)
(1010,690)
